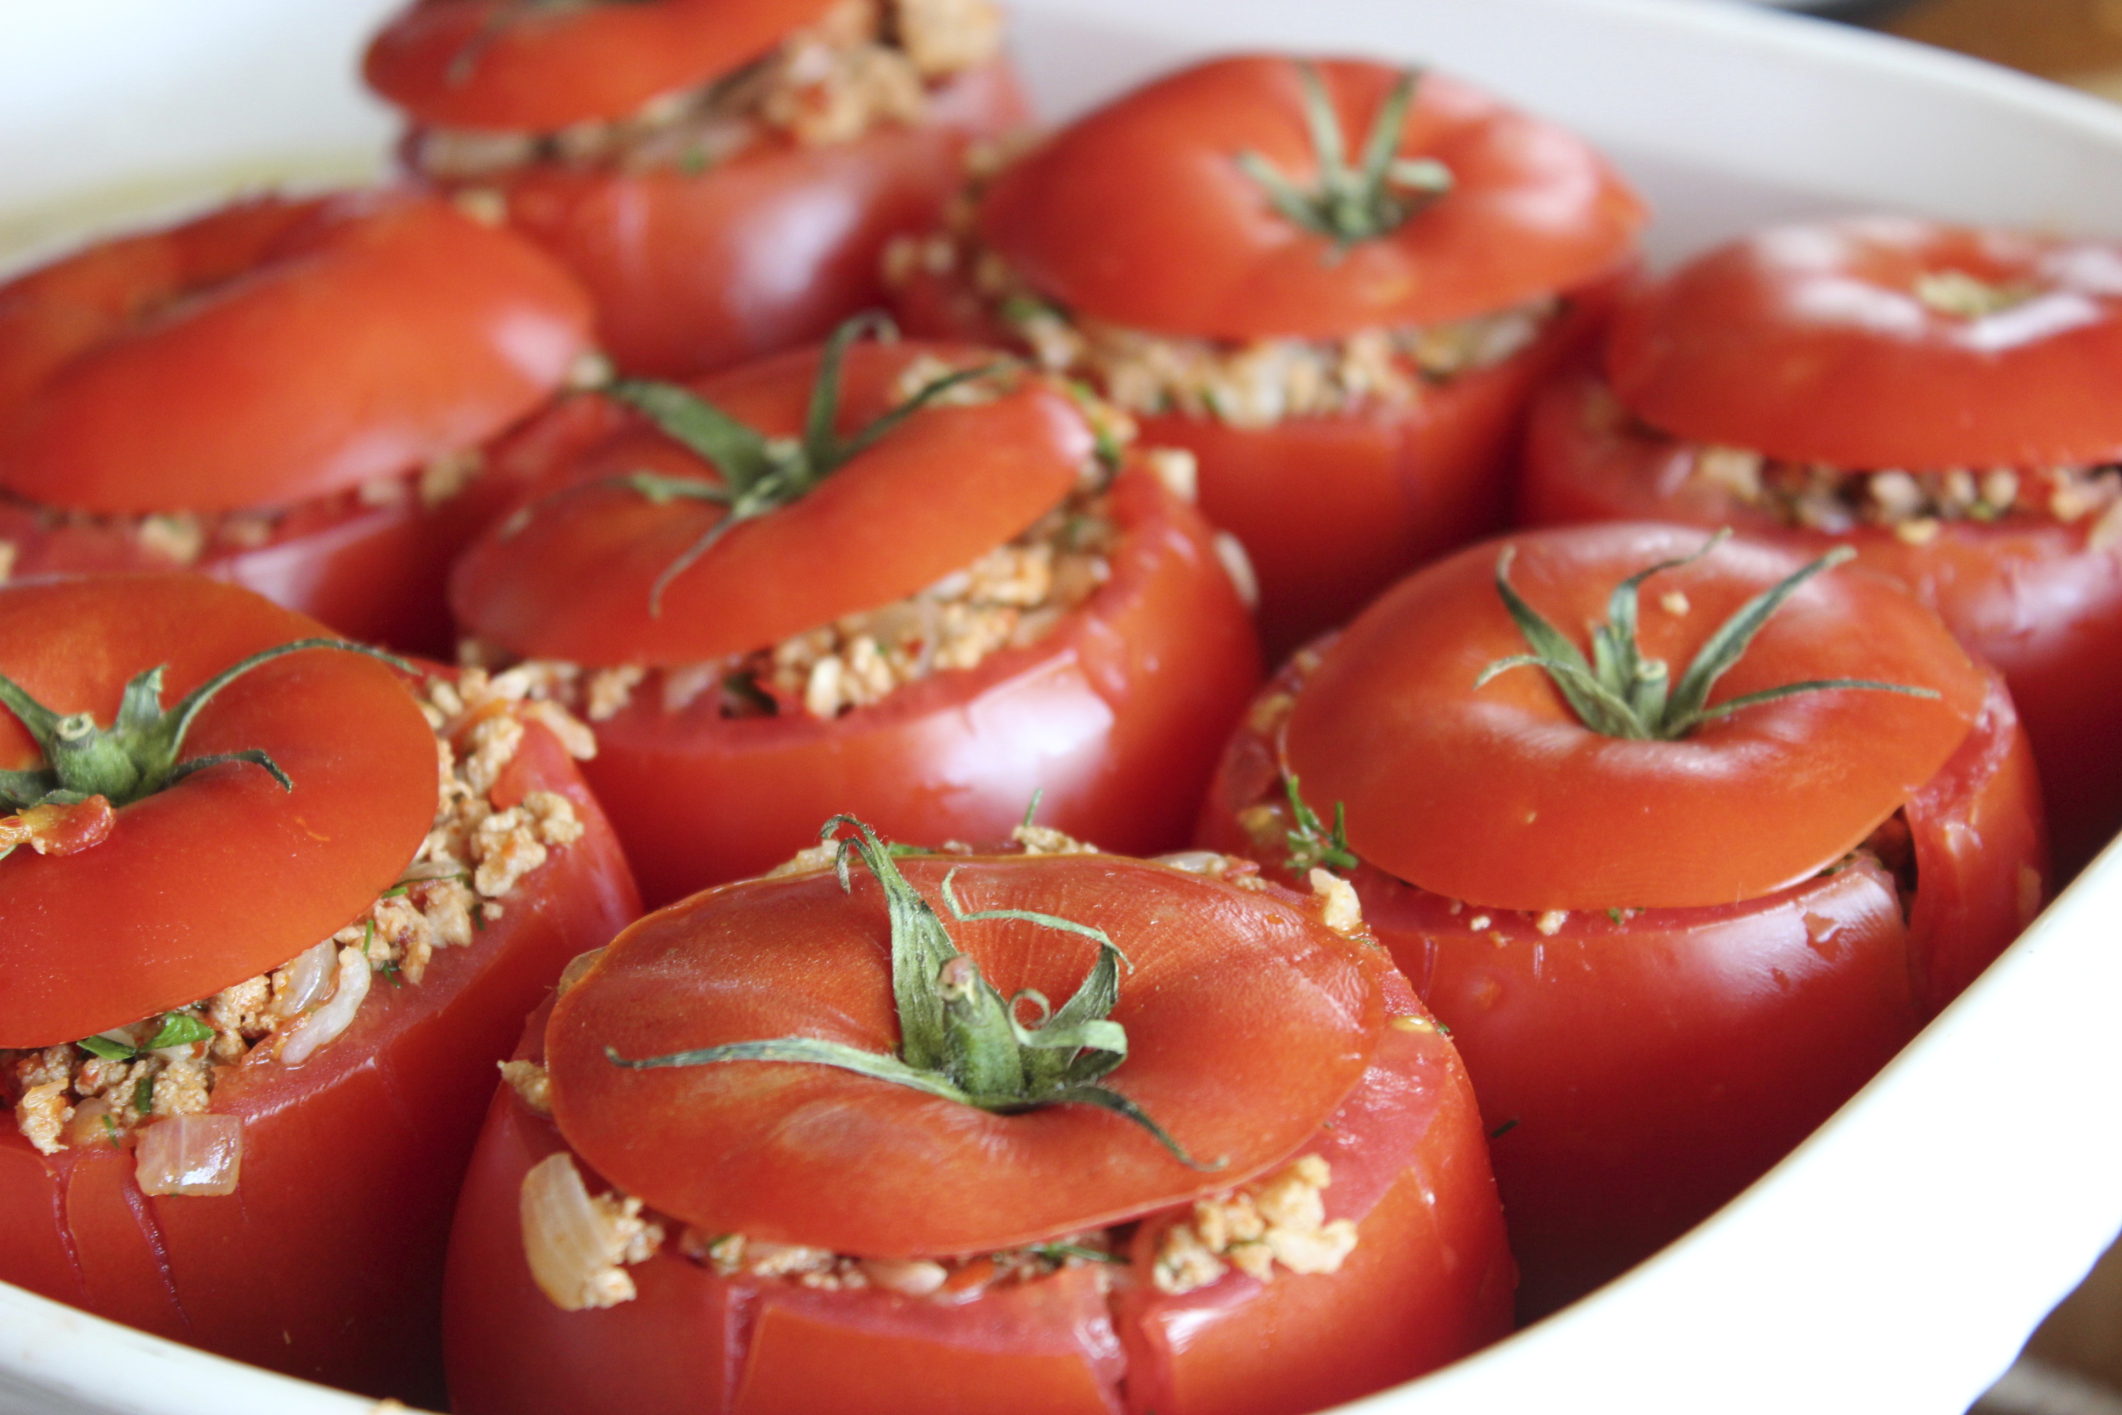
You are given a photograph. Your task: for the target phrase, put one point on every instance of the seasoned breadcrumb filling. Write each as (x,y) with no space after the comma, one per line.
(1914,504)
(1250,383)
(472,859)
(865,63)
(184,538)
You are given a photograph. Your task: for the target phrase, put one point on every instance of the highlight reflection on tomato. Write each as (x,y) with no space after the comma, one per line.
(1934,396)
(973,609)
(254,1143)
(721,176)
(1350,372)
(1664,961)
(286,394)
(1051,1272)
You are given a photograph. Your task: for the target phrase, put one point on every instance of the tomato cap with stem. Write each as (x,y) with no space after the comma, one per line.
(959,1038)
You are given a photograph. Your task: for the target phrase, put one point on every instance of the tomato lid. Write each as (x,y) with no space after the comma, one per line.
(223,875)
(275,352)
(1145,214)
(537,65)
(1500,796)
(1247,1022)
(1884,342)
(580,573)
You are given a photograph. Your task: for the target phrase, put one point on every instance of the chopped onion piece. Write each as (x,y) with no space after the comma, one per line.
(309,980)
(575,1243)
(333,1017)
(190,1154)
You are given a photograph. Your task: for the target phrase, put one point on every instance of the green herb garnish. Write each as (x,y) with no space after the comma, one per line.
(1310,844)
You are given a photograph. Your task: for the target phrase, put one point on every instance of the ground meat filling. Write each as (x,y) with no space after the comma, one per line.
(100,1090)
(864,64)
(1249,384)
(579,1244)
(1914,505)
(185,538)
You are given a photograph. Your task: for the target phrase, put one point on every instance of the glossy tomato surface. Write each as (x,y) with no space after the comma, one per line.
(1637,1067)
(1429,1276)
(1884,342)
(175,902)
(327,1261)
(275,352)
(507,64)
(1141,214)
(1546,813)
(2039,599)
(768,250)
(1115,715)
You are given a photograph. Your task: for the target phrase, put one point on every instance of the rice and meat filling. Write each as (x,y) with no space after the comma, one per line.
(1246,384)
(100,1089)
(865,63)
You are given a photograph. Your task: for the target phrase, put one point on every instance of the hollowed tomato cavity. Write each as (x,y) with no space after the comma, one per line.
(1367,1087)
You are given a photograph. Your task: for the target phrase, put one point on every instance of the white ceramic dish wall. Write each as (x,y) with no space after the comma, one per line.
(1897,1260)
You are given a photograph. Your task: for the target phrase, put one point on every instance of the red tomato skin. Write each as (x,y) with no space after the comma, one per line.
(327,1262)
(769,250)
(1140,215)
(1649,1070)
(355,339)
(1408,1165)
(2034,598)
(1113,714)
(1810,342)
(446,62)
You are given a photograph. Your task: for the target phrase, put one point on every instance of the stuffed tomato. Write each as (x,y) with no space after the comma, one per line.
(1937,397)
(288,395)
(895,578)
(1672,934)
(723,176)
(1334,282)
(257,963)
(786,1147)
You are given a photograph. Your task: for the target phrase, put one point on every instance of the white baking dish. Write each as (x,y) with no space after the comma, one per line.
(1897,1260)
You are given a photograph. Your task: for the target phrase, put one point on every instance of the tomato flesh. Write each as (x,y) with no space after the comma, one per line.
(1544,812)
(174,906)
(2037,598)
(768,250)
(1638,1068)
(1114,715)
(327,1261)
(1816,343)
(1140,214)
(271,354)
(501,64)
(1430,1279)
